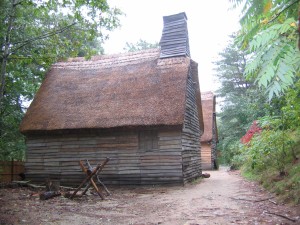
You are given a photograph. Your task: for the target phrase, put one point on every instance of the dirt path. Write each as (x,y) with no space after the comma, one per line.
(224,198)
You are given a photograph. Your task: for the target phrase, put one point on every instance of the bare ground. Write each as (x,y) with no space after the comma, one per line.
(224,198)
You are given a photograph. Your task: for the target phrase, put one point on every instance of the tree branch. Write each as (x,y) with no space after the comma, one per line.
(43,36)
(17,3)
(6,51)
(282,216)
(278,14)
(30,57)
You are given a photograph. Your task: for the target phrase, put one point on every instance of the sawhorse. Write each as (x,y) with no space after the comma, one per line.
(91,173)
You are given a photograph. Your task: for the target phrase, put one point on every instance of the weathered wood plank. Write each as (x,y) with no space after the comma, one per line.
(128,164)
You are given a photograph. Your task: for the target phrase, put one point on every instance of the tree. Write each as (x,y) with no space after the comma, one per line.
(272,62)
(32,29)
(269,33)
(33,35)
(140,45)
(242,102)
(229,72)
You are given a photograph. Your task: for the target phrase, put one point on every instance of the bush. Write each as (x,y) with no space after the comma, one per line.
(271,148)
(272,158)
(230,154)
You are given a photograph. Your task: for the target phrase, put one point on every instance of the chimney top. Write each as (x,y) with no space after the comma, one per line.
(175,41)
(175,17)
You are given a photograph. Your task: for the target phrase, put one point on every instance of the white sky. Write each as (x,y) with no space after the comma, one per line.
(210,23)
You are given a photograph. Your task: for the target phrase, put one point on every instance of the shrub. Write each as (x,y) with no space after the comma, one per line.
(271,148)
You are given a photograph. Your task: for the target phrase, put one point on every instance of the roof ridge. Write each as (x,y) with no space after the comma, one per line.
(105,61)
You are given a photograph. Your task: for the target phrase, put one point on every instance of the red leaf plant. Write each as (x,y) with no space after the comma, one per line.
(254,128)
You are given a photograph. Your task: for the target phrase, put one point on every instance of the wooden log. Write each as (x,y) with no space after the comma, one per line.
(49,194)
(205,175)
(69,194)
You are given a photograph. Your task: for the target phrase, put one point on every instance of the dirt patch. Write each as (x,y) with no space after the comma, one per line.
(224,198)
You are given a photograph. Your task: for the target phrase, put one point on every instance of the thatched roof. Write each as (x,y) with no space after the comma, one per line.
(130,89)
(208,108)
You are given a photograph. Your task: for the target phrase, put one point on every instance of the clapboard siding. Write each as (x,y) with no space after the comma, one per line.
(58,156)
(209,149)
(163,165)
(191,164)
(206,156)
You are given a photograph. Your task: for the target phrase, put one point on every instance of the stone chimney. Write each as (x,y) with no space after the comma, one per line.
(175,40)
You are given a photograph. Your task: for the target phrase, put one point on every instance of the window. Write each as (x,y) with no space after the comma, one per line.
(148,140)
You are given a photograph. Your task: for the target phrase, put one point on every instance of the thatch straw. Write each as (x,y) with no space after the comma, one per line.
(208,108)
(130,89)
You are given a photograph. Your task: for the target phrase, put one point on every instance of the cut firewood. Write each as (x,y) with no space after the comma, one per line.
(205,175)
(49,194)
(26,183)
(69,194)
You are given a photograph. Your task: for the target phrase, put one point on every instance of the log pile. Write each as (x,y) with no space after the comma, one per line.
(52,187)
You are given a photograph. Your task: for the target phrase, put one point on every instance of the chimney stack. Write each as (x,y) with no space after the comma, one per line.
(175,39)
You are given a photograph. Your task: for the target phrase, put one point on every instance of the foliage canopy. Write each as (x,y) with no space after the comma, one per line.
(268,44)
(269,34)
(34,34)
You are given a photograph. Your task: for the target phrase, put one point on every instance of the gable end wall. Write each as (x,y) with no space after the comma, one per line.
(191,162)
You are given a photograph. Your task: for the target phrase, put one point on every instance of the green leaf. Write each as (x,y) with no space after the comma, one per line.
(263,81)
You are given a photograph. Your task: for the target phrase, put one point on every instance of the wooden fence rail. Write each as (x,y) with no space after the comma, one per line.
(11,170)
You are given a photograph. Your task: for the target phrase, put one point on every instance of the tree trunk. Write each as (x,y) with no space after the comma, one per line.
(6,47)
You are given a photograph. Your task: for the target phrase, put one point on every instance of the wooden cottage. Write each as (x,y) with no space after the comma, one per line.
(142,110)
(209,138)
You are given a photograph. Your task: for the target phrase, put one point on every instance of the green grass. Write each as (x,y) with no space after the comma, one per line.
(197,180)
(286,187)
(249,176)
